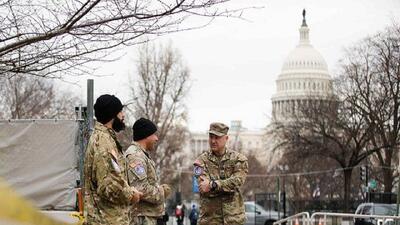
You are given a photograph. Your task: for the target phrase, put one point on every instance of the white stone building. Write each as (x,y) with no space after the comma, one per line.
(304,76)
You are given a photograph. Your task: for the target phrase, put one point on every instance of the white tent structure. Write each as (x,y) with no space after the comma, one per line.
(39,159)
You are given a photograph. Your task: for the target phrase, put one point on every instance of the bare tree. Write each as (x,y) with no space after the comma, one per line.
(34,98)
(310,172)
(371,74)
(53,38)
(332,129)
(255,181)
(364,119)
(159,93)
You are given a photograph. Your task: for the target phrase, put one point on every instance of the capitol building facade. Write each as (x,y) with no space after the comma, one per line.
(304,77)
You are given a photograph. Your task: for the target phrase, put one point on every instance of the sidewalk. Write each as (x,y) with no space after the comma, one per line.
(172,221)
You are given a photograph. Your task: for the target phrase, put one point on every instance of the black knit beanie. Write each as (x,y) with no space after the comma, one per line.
(143,128)
(106,108)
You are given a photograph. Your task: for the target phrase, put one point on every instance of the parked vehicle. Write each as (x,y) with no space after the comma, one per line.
(257,215)
(374,209)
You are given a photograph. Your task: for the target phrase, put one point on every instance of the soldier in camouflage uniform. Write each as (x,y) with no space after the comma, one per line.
(142,175)
(108,195)
(220,173)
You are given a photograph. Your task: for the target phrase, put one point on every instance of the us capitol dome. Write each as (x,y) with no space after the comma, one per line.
(304,77)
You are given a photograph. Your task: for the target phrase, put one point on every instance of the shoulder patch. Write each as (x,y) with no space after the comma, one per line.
(139,169)
(197,162)
(197,170)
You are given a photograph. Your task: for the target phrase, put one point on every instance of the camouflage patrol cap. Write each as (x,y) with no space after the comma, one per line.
(218,129)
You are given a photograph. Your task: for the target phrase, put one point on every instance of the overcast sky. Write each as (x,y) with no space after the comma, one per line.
(234,63)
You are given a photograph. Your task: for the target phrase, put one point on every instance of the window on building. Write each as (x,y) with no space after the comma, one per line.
(192,145)
(205,144)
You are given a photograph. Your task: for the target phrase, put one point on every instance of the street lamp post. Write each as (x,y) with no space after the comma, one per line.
(398,191)
(283,169)
(180,179)
(279,196)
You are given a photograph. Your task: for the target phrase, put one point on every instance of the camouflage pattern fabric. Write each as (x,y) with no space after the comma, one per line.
(143,176)
(144,220)
(107,192)
(218,129)
(225,204)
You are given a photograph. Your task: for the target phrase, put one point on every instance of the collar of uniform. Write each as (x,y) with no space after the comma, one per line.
(100,127)
(226,156)
(141,148)
(215,158)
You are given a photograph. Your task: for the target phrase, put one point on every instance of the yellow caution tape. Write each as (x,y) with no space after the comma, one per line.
(79,216)
(16,210)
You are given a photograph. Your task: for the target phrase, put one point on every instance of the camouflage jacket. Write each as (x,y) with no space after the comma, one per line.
(143,176)
(107,193)
(225,204)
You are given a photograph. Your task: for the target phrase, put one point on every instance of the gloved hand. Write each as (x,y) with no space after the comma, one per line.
(167,190)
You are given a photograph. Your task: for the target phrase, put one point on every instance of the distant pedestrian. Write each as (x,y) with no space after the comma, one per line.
(194,215)
(221,173)
(163,220)
(180,214)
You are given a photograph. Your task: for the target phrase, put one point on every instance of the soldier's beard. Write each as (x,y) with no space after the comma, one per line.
(151,146)
(118,124)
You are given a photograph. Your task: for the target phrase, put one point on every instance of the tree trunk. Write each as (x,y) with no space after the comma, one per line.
(387,171)
(347,185)
(387,179)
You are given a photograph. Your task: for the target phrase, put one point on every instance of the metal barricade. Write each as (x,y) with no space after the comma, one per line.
(324,218)
(302,218)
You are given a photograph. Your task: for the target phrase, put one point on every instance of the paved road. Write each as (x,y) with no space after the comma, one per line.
(172,221)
